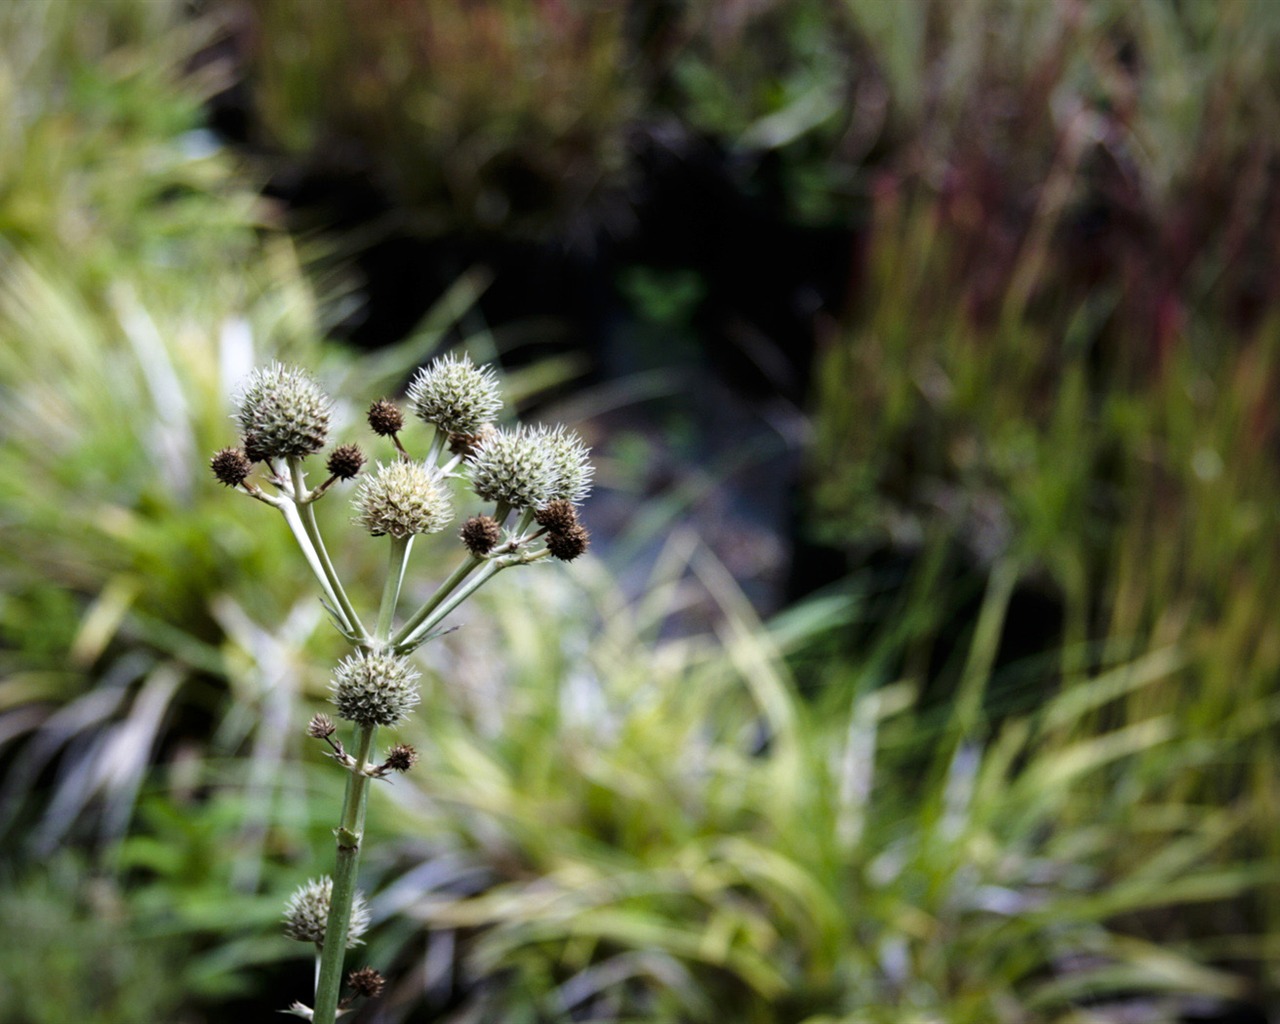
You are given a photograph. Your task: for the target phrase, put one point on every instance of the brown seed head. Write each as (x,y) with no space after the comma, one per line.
(345,462)
(231,466)
(321,726)
(480,534)
(366,982)
(401,757)
(568,545)
(385,418)
(558,516)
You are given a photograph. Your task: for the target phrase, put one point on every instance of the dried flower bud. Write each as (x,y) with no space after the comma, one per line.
(568,545)
(231,466)
(321,726)
(345,461)
(573,471)
(307,913)
(285,413)
(402,499)
(375,689)
(481,534)
(515,467)
(385,418)
(558,516)
(466,444)
(366,982)
(455,395)
(401,758)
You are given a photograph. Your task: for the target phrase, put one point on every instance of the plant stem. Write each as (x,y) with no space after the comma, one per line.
(396,563)
(440,608)
(307,514)
(457,576)
(349,833)
(296,527)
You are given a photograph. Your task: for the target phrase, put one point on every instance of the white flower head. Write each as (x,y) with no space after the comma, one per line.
(455,395)
(573,470)
(375,689)
(307,913)
(402,499)
(514,467)
(282,413)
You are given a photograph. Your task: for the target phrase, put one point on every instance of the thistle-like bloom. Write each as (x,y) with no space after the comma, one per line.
(375,689)
(455,395)
(573,471)
(282,413)
(307,913)
(402,499)
(517,467)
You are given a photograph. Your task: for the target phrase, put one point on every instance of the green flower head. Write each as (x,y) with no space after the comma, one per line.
(282,413)
(375,689)
(455,395)
(516,467)
(573,471)
(402,499)
(307,912)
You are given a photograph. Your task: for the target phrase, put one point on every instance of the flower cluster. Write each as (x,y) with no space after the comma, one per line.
(535,479)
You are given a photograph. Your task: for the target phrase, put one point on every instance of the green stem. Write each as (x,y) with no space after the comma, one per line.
(441,608)
(307,513)
(349,833)
(396,563)
(444,590)
(291,517)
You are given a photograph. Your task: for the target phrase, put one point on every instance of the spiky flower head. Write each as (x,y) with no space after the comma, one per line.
(402,499)
(282,413)
(307,912)
(375,689)
(231,466)
(455,395)
(516,467)
(573,470)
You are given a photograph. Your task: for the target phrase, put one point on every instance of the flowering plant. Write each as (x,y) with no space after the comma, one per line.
(534,477)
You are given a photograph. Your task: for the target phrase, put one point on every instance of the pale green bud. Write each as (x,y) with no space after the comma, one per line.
(307,913)
(375,689)
(283,413)
(515,467)
(573,470)
(402,499)
(455,395)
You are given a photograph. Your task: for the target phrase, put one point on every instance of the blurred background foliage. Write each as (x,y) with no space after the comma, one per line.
(926,670)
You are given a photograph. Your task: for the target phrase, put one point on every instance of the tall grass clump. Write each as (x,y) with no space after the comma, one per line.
(616,820)
(1062,365)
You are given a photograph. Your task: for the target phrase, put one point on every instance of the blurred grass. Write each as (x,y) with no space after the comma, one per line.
(619,817)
